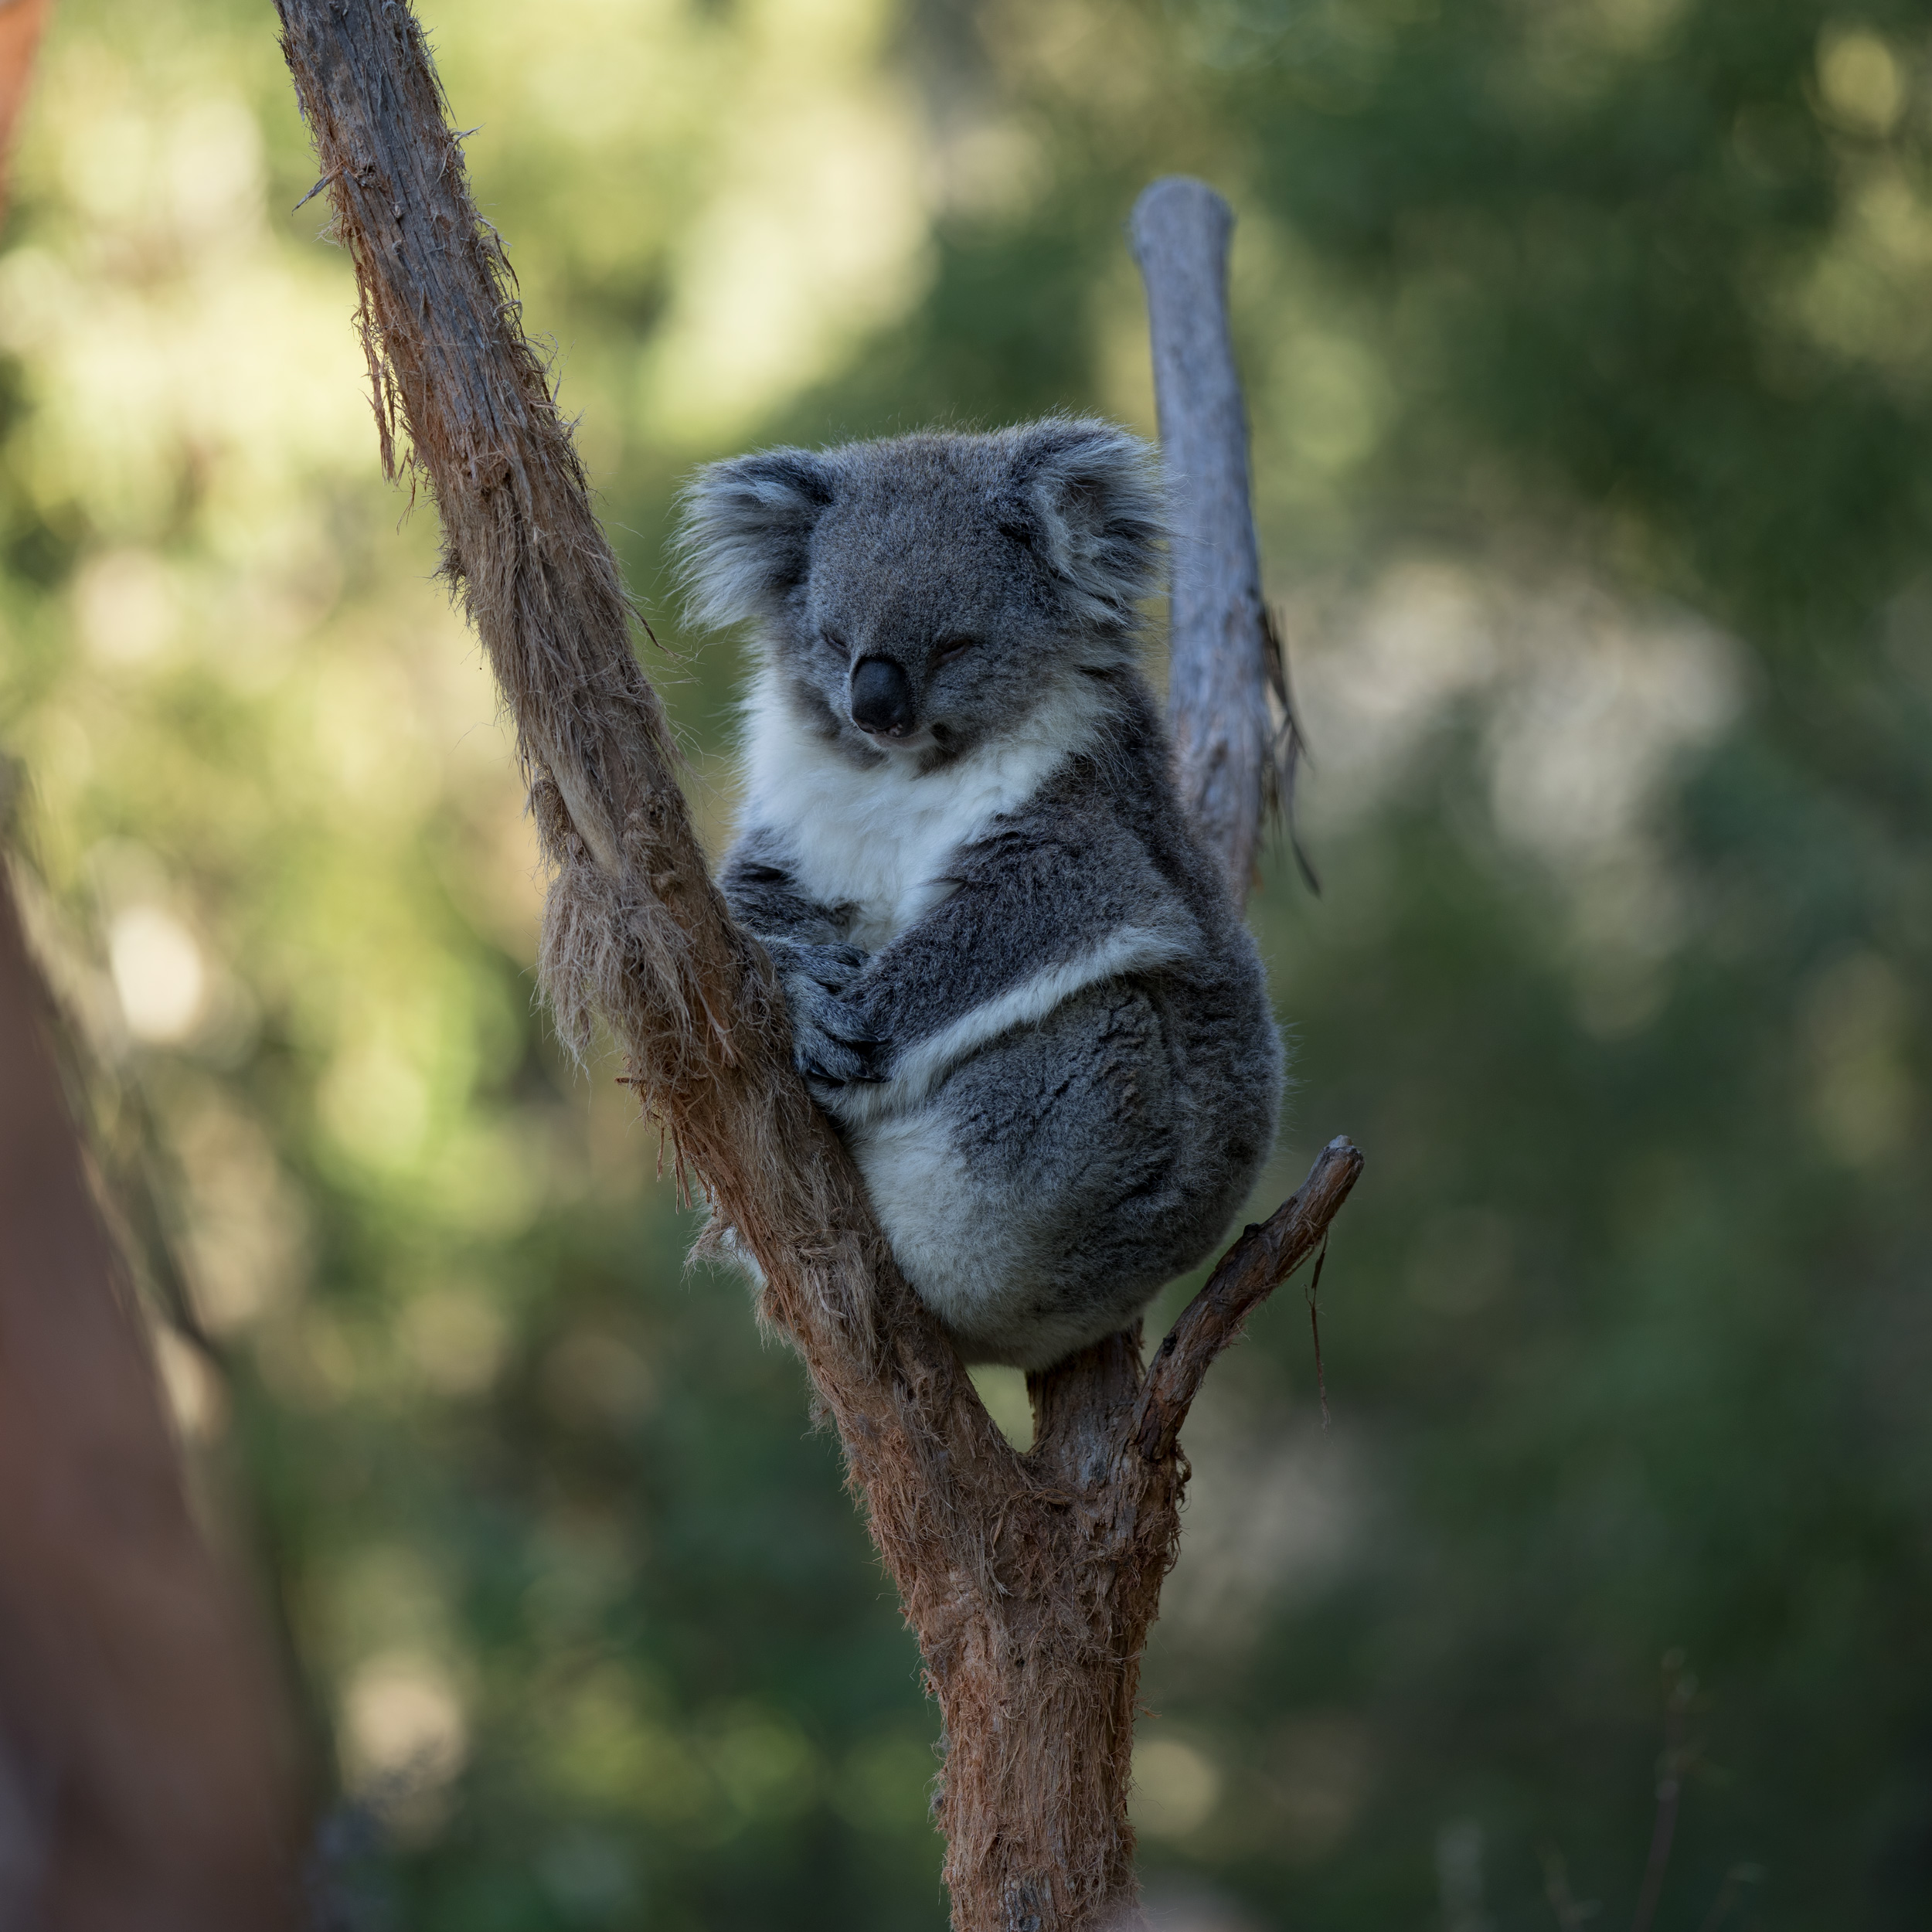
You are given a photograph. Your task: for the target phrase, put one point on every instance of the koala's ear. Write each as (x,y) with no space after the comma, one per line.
(745,543)
(1090,503)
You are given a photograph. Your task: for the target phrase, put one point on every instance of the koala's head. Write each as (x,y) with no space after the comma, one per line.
(922,594)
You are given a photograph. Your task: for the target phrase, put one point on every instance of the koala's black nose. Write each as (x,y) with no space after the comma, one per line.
(882,697)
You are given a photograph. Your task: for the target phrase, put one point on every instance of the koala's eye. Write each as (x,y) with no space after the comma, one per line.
(835,640)
(950,648)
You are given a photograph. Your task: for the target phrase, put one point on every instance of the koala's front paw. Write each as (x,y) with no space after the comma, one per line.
(832,1044)
(833,967)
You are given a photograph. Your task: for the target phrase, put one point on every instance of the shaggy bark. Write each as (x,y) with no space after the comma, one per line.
(1030,1580)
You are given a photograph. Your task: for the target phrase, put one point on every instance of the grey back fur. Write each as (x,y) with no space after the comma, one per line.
(1016,980)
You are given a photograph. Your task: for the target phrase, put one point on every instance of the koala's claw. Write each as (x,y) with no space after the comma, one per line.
(834,1059)
(833,967)
(871,1055)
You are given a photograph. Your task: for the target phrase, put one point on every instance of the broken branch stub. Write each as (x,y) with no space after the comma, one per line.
(1222,658)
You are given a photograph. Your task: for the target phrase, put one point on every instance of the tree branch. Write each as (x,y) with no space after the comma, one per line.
(1246,1276)
(1222,656)
(633,927)
(1224,661)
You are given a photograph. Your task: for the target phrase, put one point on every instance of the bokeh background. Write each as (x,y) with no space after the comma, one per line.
(1589,346)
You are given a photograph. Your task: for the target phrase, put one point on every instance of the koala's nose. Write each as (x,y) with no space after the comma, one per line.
(882,697)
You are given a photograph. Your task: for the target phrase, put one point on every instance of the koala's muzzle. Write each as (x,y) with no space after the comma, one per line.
(882,697)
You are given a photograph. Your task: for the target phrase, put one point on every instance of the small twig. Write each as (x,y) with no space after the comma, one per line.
(1287,750)
(1249,1273)
(1314,1328)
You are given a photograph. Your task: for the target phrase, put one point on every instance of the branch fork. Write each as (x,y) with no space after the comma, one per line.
(1031,1581)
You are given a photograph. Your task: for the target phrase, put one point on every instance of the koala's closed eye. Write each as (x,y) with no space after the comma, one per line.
(835,640)
(949,648)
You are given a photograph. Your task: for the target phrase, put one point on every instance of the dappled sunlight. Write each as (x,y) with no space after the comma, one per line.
(405,1735)
(1176,1786)
(813,238)
(248,1237)
(1860,77)
(158,973)
(1855,1021)
(1588,710)
(1274,1514)
(1583,702)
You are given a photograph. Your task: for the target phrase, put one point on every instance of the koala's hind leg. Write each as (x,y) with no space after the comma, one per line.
(959,1235)
(1038,1199)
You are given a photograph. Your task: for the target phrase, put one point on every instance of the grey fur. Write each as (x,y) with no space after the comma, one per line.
(1016,979)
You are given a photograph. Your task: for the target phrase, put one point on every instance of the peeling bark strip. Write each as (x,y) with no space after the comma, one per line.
(1030,1580)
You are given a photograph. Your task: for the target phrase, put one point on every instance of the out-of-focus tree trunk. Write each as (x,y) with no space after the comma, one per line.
(21,23)
(146,1778)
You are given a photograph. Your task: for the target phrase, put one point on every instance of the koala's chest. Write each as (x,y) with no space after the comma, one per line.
(882,838)
(884,852)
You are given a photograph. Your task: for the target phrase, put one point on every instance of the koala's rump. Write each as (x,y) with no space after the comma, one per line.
(1095,1118)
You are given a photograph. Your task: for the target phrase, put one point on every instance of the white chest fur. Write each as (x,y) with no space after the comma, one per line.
(879,838)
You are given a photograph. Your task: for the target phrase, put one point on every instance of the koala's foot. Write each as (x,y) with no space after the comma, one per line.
(832,1044)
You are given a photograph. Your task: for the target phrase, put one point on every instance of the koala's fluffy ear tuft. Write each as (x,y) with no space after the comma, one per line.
(1090,503)
(745,543)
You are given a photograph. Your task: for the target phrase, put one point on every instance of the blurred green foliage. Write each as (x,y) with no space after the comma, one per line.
(1591,382)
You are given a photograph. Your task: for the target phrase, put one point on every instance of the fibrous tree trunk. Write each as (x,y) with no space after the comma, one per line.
(1029,1579)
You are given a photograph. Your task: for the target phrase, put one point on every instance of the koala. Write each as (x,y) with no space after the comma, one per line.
(1016,979)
